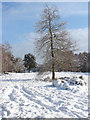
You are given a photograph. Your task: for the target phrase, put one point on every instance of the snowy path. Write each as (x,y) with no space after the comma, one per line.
(22,96)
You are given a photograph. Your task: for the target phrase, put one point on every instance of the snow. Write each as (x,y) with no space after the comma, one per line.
(25,95)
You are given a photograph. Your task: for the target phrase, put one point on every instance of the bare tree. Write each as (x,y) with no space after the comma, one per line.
(53,37)
(18,65)
(0,58)
(7,58)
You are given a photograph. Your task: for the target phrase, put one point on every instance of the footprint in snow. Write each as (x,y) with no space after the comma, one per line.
(5,111)
(16,87)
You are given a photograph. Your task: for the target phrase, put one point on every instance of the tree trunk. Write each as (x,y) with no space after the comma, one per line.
(29,69)
(53,72)
(52,52)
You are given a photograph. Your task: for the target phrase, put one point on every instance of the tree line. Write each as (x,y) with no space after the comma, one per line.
(10,63)
(79,62)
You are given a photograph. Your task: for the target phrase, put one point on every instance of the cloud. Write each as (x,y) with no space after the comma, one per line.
(21,11)
(75,12)
(14,9)
(81,38)
(25,45)
(73,9)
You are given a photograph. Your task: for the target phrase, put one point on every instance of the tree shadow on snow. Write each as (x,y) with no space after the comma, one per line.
(49,86)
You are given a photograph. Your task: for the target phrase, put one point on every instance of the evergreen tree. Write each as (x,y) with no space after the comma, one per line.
(29,61)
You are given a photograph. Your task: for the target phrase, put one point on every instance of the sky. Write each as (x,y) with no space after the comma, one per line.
(19,19)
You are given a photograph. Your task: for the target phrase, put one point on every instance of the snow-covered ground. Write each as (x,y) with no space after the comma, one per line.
(25,95)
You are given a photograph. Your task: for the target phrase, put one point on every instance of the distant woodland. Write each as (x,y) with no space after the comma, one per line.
(69,62)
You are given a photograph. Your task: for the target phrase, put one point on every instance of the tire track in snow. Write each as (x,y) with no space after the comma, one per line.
(35,99)
(36,96)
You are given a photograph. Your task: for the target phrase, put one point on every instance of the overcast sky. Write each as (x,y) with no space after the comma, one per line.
(19,18)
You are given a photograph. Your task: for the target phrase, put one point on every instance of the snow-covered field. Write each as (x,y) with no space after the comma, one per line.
(24,95)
